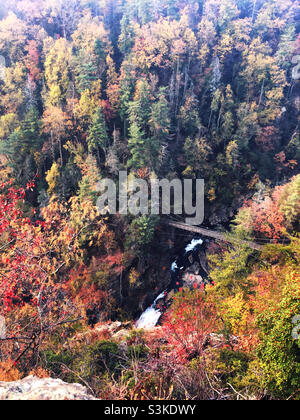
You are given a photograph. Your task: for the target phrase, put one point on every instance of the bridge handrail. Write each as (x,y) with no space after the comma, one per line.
(214,234)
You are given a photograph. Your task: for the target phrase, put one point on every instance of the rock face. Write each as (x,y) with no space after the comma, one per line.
(101,331)
(33,388)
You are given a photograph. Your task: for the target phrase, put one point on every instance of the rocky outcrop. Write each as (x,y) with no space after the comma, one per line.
(191,276)
(33,388)
(117,331)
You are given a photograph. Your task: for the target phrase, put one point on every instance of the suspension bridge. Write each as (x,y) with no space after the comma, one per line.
(214,234)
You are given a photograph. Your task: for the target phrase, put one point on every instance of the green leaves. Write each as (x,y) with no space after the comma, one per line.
(141,232)
(98,136)
(279,352)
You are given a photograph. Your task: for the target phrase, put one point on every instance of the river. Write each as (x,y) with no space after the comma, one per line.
(179,277)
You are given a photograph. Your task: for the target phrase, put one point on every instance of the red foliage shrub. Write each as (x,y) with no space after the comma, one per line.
(187,325)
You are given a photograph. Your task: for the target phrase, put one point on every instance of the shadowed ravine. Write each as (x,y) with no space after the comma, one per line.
(186,270)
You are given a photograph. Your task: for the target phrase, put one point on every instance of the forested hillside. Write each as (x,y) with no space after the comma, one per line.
(205,89)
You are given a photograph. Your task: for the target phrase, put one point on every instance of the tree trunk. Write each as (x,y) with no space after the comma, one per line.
(177,78)
(261,92)
(98,156)
(253,11)
(52,146)
(187,68)
(61,153)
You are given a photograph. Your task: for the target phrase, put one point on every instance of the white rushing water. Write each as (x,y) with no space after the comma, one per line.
(174,266)
(150,317)
(193,244)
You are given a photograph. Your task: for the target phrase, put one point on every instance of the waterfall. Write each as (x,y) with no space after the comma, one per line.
(151,315)
(192,245)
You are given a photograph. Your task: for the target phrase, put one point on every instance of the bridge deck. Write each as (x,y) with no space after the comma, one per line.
(214,234)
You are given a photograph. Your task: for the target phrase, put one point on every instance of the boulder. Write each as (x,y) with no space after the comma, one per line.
(110,327)
(191,280)
(33,388)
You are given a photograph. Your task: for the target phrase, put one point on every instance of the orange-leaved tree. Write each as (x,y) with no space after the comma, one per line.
(35,259)
(189,322)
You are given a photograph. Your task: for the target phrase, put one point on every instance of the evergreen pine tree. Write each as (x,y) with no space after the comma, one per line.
(98,136)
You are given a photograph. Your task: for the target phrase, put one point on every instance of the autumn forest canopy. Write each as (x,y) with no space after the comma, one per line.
(187,89)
